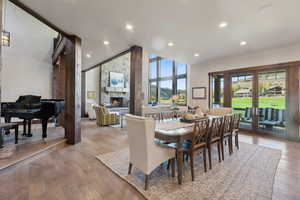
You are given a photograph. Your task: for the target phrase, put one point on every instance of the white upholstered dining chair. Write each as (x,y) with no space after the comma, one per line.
(145,153)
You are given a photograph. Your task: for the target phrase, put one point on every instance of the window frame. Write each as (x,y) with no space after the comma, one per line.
(174,79)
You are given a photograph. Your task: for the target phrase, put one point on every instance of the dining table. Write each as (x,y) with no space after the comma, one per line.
(175,131)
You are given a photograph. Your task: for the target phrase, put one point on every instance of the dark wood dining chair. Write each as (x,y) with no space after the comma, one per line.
(155,116)
(227,133)
(168,115)
(235,132)
(198,144)
(215,137)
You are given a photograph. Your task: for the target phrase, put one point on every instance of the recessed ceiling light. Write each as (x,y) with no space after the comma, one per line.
(106,42)
(88,55)
(223,24)
(196,55)
(170,44)
(129,27)
(243,43)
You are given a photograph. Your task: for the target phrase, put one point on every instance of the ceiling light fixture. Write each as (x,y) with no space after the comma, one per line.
(106,42)
(129,27)
(170,44)
(243,43)
(223,24)
(88,55)
(196,55)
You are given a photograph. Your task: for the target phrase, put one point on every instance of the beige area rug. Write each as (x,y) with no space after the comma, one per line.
(247,174)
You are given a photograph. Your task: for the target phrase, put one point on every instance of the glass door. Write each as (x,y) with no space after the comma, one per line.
(242,98)
(271,102)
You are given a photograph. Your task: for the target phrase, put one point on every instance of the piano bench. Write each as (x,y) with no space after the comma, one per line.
(5,126)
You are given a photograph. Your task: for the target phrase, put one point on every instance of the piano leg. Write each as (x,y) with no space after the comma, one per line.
(24,128)
(29,129)
(44,125)
(7,120)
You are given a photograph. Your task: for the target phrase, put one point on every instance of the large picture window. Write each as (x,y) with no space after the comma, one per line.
(167,78)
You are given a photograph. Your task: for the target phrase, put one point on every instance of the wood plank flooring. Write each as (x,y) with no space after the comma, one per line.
(72,172)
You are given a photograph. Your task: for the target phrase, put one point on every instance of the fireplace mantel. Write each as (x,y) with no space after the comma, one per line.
(116,89)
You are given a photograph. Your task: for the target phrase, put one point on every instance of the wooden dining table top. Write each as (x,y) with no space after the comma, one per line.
(176,127)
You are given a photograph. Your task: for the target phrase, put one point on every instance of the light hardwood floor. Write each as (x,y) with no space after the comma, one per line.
(72,172)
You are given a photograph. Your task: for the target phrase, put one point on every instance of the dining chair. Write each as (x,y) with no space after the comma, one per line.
(155,116)
(227,133)
(215,137)
(144,153)
(168,115)
(198,144)
(236,125)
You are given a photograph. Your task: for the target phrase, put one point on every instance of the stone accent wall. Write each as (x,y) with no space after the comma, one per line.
(120,65)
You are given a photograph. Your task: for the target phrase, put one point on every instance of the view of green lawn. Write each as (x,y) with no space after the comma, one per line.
(277,102)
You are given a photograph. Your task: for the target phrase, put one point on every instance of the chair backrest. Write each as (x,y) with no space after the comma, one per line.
(200,134)
(140,132)
(228,123)
(248,113)
(168,115)
(236,121)
(220,111)
(216,127)
(268,114)
(155,116)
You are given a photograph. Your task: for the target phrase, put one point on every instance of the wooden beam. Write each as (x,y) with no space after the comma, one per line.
(293,102)
(59,48)
(83,93)
(73,90)
(227,90)
(136,94)
(39,17)
(107,60)
(1,29)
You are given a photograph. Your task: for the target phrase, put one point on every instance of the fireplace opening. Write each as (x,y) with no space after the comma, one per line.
(116,101)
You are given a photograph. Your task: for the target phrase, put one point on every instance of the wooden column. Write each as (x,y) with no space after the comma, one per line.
(136,93)
(83,93)
(227,90)
(73,90)
(293,102)
(1,29)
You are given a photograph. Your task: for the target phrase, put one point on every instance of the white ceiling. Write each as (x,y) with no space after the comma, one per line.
(192,25)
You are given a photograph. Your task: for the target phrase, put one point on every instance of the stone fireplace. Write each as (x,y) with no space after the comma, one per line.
(115,96)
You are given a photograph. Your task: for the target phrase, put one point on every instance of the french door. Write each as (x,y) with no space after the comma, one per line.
(260,97)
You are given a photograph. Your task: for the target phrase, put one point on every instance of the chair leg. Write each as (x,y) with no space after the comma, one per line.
(222,148)
(146,181)
(192,166)
(209,156)
(219,151)
(129,168)
(204,159)
(237,141)
(173,167)
(231,144)
(169,163)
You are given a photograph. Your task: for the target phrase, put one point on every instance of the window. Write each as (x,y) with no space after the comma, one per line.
(167,78)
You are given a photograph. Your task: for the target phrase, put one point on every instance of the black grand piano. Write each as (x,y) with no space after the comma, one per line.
(31,107)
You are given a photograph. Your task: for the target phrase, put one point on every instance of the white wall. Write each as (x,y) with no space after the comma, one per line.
(27,67)
(92,85)
(199,72)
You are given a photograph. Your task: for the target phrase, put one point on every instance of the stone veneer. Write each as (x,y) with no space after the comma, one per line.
(121,65)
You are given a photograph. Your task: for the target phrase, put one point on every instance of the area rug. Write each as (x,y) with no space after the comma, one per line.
(248,174)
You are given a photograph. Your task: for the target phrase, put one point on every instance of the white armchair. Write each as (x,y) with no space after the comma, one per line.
(91,111)
(145,154)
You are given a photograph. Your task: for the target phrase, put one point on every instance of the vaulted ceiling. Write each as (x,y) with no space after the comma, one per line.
(192,25)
